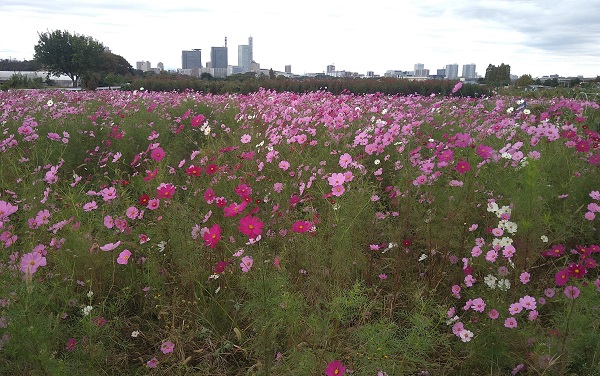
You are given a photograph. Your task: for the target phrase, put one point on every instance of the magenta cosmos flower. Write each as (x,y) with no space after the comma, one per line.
(157,154)
(250,226)
(212,237)
(462,167)
(301,226)
(335,368)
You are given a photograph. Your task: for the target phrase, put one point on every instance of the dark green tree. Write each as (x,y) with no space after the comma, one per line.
(112,63)
(74,55)
(524,80)
(497,75)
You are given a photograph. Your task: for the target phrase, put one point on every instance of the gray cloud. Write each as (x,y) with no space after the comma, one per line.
(557,27)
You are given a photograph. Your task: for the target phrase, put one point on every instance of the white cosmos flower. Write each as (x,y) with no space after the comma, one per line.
(86,310)
(544,238)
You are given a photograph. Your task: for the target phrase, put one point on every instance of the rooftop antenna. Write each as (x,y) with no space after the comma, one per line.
(225,41)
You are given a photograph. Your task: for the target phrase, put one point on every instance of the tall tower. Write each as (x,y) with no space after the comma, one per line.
(250,41)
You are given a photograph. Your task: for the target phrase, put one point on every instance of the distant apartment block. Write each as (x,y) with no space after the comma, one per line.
(451,71)
(420,70)
(144,66)
(468,71)
(330,69)
(288,69)
(191,59)
(245,55)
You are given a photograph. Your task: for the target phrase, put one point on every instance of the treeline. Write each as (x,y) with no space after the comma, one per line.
(19,65)
(246,85)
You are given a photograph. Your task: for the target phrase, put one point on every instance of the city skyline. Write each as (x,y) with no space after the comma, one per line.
(533,37)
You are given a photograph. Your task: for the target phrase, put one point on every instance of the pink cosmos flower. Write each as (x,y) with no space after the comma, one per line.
(108,194)
(6,209)
(109,222)
(89,206)
(457,87)
(167,347)
(483,151)
(123,258)
(510,323)
(457,327)
(165,191)
(478,305)
(31,261)
(246,264)
(336,179)
(345,160)
(153,204)
(246,138)
(143,238)
(284,165)
(71,344)
(465,335)
(335,368)
(515,308)
(525,278)
(152,363)
(338,190)
(150,174)
(528,302)
(243,190)
(132,212)
(110,246)
(572,292)
(493,314)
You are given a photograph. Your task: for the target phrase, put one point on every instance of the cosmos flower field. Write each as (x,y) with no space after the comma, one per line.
(306,234)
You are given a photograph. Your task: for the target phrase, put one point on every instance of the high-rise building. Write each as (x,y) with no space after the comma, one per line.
(218,57)
(191,59)
(288,69)
(160,66)
(451,71)
(468,71)
(330,69)
(245,56)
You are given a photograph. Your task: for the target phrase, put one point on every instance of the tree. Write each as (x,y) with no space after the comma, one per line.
(524,81)
(74,55)
(112,63)
(497,75)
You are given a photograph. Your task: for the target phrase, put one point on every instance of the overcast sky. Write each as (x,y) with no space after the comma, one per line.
(537,37)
